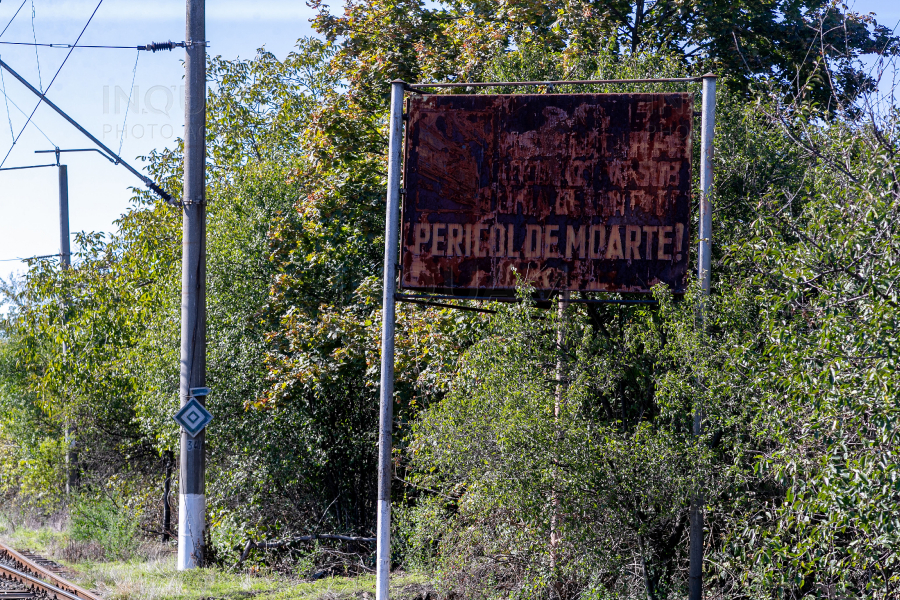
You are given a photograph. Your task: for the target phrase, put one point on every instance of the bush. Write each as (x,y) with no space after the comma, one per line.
(102,521)
(552,470)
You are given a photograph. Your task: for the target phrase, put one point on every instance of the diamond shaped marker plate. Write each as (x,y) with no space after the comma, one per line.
(193,417)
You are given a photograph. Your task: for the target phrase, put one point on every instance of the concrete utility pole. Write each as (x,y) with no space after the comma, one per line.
(65,252)
(707,132)
(65,262)
(192,483)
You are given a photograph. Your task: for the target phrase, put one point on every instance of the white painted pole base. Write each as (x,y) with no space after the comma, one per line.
(383,558)
(191,525)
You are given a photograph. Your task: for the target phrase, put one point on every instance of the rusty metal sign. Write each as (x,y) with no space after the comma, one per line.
(585,192)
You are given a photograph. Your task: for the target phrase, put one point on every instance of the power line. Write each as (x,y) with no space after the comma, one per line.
(28,258)
(18,108)
(151,47)
(112,155)
(34,37)
(44,92)
(13,18)
(12,134)
(128,106)
(42,97)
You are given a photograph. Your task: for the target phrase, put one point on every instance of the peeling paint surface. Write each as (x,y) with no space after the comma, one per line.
(584,192)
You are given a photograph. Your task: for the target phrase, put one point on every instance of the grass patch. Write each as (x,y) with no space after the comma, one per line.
(158,580)
(43,540)
(152,575)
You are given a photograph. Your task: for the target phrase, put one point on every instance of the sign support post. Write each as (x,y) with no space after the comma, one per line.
(707,131)
(386,418)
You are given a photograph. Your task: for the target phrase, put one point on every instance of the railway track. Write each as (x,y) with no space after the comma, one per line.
(25,575)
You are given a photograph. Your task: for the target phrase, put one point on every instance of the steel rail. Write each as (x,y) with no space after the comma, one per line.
(35,583)
(44,579)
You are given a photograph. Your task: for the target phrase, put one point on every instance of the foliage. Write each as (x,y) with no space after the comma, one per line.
(808,45)
(98,518)
(556,468)
(294,220)
(823,374)
(31,452)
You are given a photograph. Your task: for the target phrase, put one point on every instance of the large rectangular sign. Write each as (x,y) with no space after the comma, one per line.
(581,192)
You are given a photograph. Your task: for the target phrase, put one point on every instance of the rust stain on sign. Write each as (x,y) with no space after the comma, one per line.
(581,192)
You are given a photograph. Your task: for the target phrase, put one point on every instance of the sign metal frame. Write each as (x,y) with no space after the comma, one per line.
(577,192)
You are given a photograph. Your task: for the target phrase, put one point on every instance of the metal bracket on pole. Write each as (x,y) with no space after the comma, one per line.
(386,418)
(707,132)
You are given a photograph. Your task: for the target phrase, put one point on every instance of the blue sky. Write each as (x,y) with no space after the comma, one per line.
(94,85)
(93,88)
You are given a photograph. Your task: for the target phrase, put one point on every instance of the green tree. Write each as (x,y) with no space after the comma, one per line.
(558,470)
(822,269)
(808,45)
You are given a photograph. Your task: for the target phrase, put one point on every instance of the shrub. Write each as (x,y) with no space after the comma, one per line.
(100,520)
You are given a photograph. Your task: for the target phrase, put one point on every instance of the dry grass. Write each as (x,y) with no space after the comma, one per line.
(74,551)
(159,580)
(151,575)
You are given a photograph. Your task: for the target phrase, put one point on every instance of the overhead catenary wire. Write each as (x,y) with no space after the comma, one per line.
(18,108)
(29,257)
(37,57)
(12,134)
(13,18)
(43,93)
(9,118)
(112,155)
(151,47)
(128,106)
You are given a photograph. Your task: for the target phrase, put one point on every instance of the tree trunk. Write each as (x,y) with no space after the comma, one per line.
(638,23)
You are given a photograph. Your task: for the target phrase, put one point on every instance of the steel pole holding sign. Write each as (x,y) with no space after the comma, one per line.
(386,420)
(707,131)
